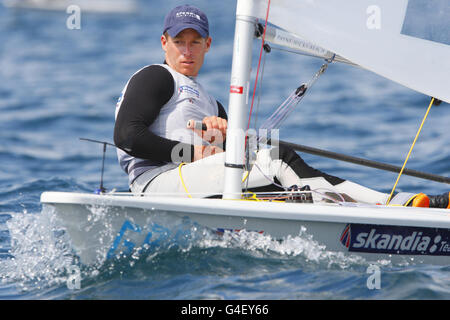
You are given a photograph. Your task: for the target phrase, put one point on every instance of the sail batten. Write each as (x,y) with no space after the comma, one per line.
(405,41)
(292,41)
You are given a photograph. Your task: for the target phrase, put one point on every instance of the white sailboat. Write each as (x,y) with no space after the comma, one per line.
(104,225)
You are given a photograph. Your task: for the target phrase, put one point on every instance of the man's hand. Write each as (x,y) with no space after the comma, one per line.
(215,133)
(216,130)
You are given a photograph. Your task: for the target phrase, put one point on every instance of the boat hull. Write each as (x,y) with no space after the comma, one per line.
(104,226)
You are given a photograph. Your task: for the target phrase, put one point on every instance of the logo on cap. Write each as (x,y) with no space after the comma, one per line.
(188,14)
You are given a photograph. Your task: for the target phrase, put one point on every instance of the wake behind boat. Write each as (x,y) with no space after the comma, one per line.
(106,225)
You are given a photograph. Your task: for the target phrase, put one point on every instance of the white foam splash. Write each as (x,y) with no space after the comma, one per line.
(39,249)
(303,245)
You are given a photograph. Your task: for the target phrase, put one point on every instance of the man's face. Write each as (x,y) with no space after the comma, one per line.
(185,53)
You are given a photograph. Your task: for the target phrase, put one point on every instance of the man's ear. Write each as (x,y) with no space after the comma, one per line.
(208,43)
(164,42)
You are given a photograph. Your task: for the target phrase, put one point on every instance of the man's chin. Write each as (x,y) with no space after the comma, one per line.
(187,71)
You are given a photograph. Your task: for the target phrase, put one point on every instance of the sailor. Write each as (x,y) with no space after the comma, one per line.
(162,156)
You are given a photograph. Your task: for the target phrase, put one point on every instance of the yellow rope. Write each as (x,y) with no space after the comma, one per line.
(184,185)
(245,177)
(182,181)
(410,150)
(253,197)
(409,200)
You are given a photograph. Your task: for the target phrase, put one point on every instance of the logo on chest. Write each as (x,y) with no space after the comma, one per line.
(187,90)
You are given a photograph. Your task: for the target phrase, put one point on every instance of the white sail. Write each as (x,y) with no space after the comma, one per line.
(405,41)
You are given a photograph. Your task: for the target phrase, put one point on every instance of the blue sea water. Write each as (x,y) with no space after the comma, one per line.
(58,85)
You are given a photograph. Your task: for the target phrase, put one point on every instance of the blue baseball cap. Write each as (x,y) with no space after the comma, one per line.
(186,17)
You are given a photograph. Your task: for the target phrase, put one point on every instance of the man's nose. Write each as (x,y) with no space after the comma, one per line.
(187,50)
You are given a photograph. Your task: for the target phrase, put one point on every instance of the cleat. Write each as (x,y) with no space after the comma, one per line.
(298,196)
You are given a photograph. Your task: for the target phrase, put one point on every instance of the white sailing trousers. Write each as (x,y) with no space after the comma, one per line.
(205,178)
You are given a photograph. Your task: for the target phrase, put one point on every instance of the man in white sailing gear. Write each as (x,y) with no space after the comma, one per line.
(160,155)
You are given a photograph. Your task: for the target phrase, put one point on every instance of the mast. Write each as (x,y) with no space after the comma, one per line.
(238,101)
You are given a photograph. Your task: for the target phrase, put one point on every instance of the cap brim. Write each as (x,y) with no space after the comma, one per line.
(174,31)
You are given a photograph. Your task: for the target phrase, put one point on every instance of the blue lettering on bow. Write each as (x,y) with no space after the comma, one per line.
(154,237)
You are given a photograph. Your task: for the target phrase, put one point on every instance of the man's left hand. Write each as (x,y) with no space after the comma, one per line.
(216,130)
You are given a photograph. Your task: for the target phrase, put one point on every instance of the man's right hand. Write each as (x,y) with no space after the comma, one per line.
(201,152)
